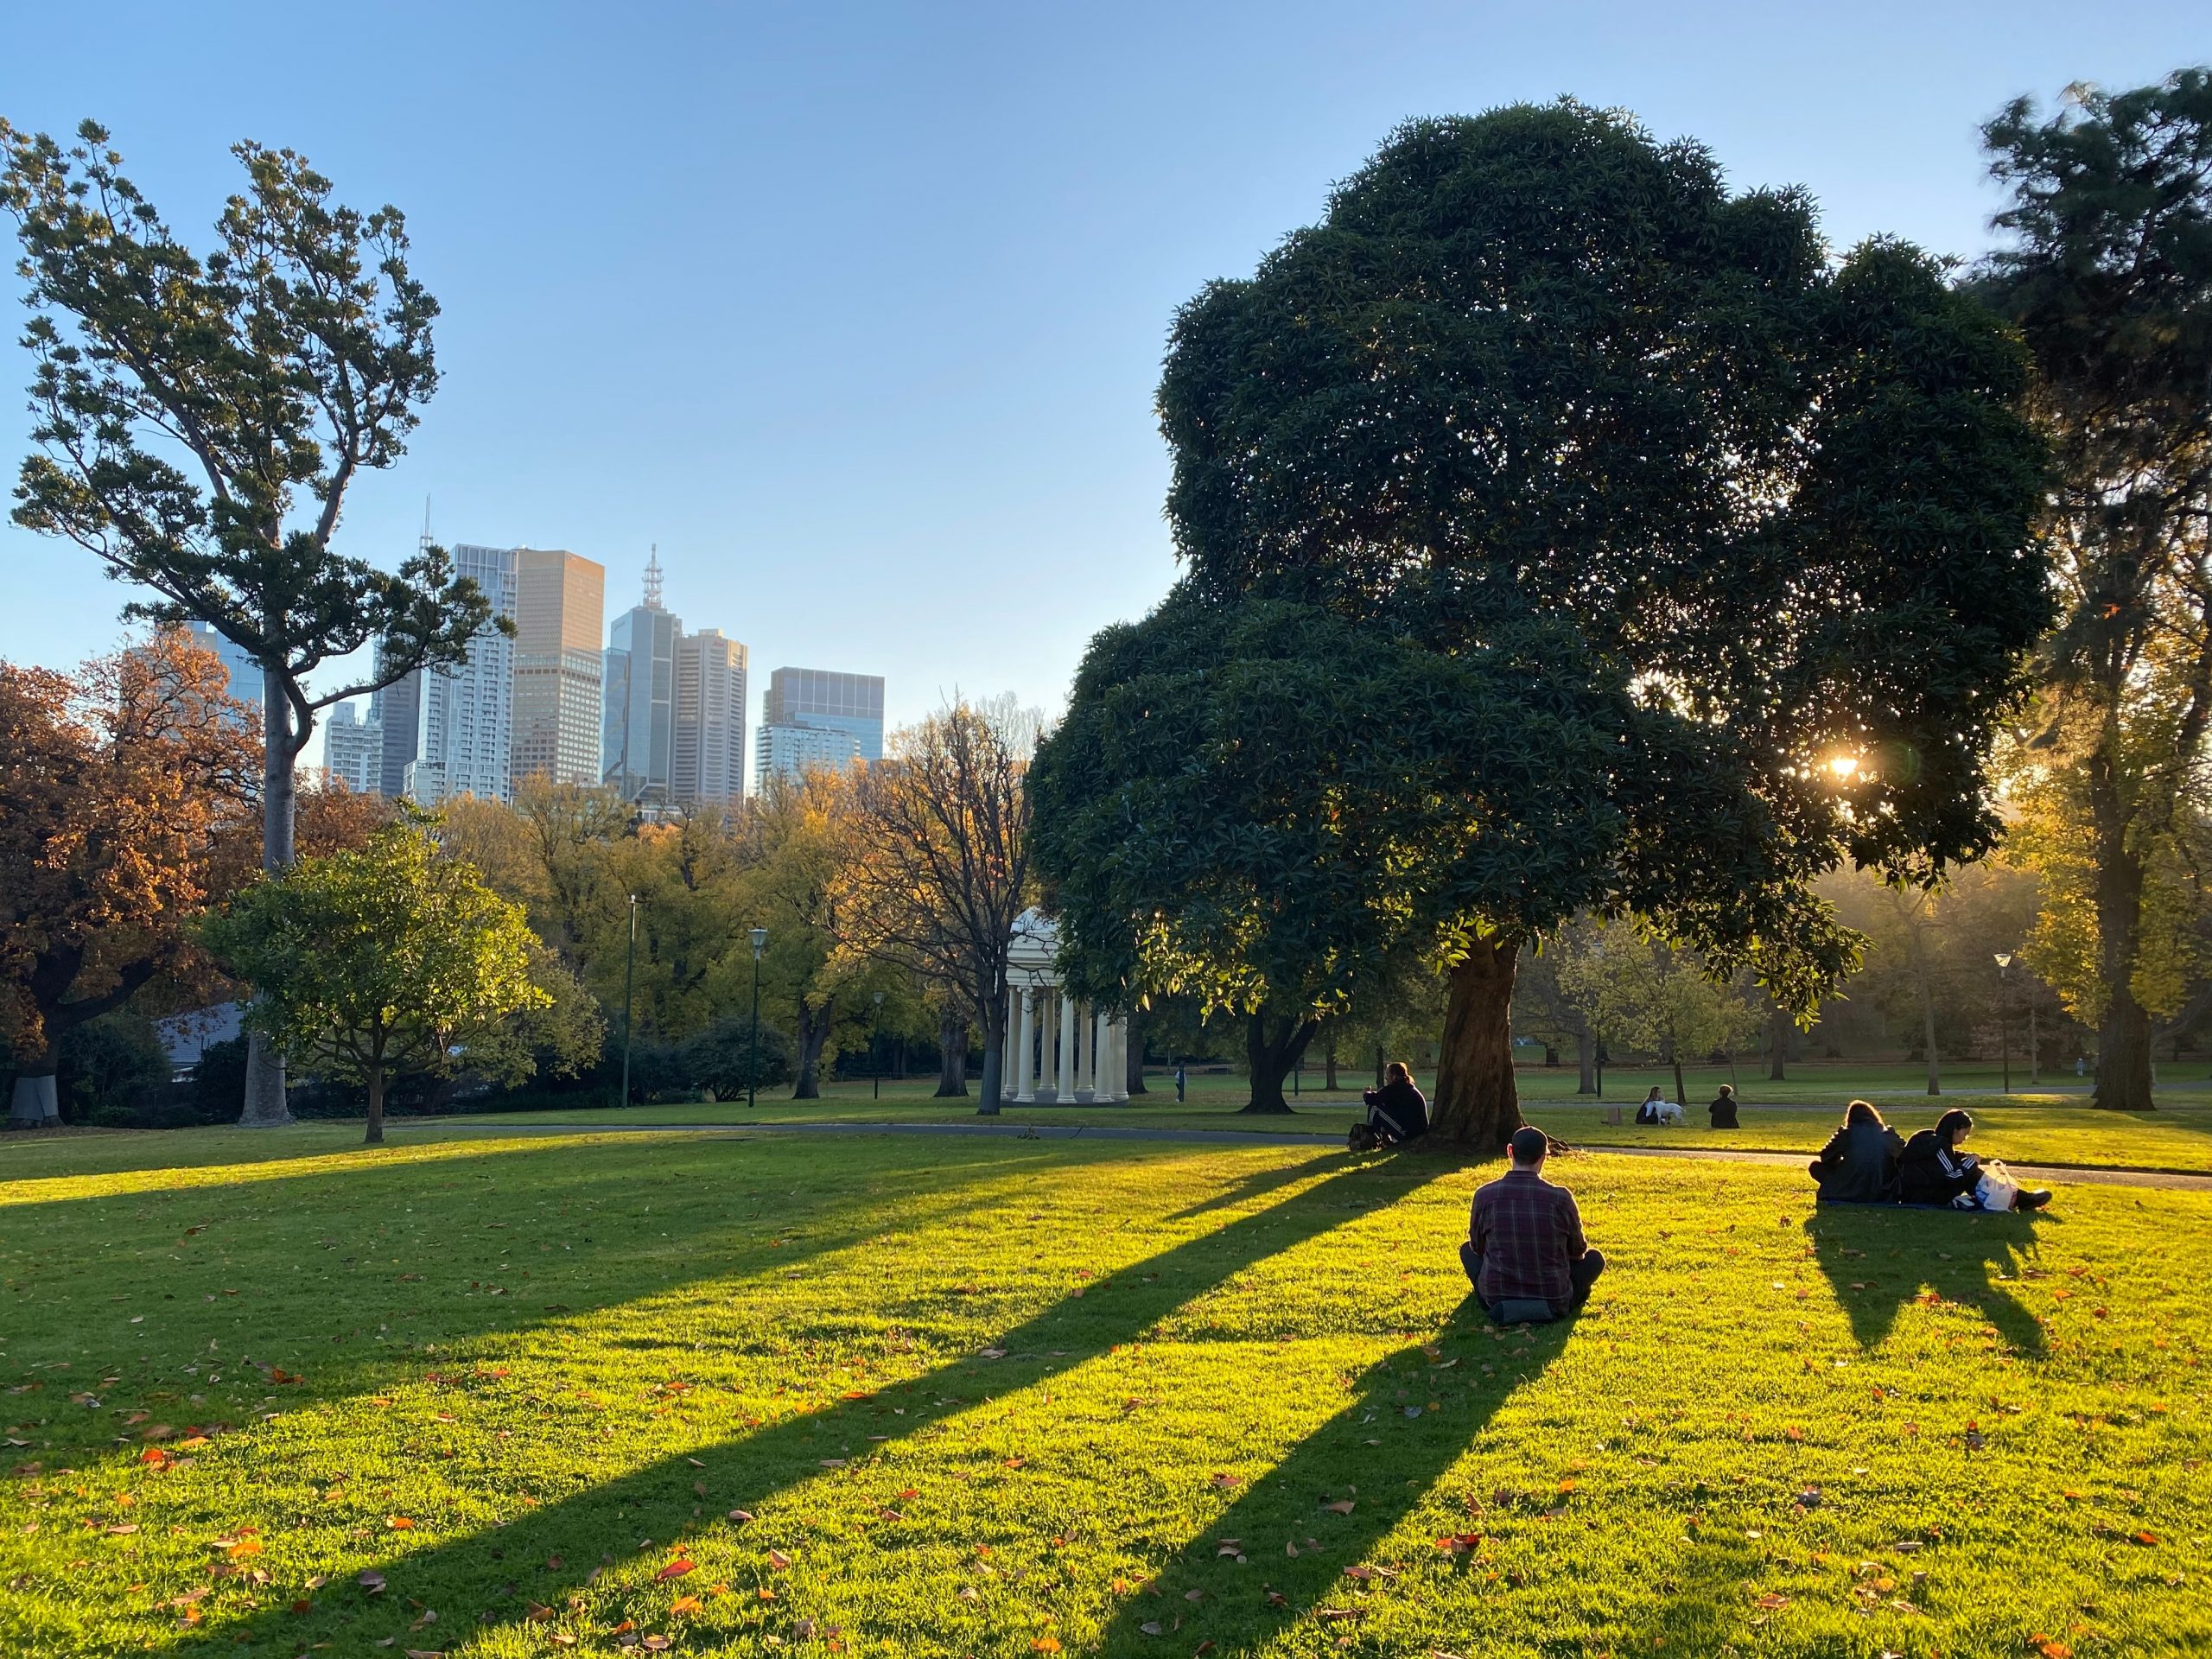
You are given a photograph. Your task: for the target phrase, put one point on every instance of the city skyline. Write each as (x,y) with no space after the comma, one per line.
(886,320)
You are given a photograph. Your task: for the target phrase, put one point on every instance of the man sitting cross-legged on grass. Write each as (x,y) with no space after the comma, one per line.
(1525,1253)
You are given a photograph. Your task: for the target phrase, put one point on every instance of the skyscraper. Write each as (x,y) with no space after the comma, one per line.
(468,746)
(352,750)
(709,769)
(244,674)
(638,739)
(811,716)
(558,708)
(397,713)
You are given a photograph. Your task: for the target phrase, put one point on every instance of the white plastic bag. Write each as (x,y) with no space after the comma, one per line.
(1997,1188)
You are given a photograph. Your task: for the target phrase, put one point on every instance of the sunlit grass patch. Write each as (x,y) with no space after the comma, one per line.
(987,1396)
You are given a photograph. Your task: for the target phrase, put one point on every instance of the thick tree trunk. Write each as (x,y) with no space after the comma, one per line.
(1380,1066)
(2124,1034)
(1777,1041)
(814,1025)
(1272,1051)
(994,1001)
(35,1103)
(1132,1074)
(952,1057)
(1477,1103)
(265,1106)
(1329,1064)
(375,1137)
(1585,1060)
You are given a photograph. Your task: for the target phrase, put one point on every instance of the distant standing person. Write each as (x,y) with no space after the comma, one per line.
(1525,1253)
(1859,1163)
(1397,1112)
(1724,1108)
(1181,1077)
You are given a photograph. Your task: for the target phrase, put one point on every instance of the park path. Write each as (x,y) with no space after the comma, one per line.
(2169,1180)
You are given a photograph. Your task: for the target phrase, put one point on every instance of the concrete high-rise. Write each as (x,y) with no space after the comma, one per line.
(811,716)
(559,674)
(638,735)
(467,741)
(709,768)
(243,675)
(397,713)
(352,750)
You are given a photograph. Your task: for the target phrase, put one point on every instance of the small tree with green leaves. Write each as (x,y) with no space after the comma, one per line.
(1636,990)
(199,420)
(373,963)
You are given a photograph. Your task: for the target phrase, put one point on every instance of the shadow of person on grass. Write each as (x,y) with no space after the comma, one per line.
(1879,1257)
(1374,1456)
(546,1554)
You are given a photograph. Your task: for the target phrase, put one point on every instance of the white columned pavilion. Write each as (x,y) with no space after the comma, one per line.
(1060,1050)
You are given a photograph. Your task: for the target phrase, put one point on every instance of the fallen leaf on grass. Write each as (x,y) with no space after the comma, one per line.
(777,1560)
(1150,1627)
(685,1605)
(398,1523)
(1342,1506)
(1770,1603)
(740,1516)
(373,1582)
(675,1569)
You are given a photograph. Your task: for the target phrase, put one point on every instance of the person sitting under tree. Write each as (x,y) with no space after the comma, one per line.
(1396,1113)
(1525,1253)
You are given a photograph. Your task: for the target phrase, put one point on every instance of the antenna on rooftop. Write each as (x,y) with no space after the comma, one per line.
(653,580)
(425,541)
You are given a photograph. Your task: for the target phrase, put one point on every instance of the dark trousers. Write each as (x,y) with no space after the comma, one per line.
(1583,1275)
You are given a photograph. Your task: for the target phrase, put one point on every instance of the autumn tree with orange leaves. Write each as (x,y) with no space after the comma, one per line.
(119,786)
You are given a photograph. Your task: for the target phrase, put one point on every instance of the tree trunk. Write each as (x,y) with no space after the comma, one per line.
(814,1025)
(952,1057)
(36,1104)
(1778,1042)
(1477,1103)
(994,1001)
(265,1106)
(1928,1033)
(1272,1051)
(2124,1034)
(1585,1060)
(375,1137)
(1329,1066)
(1675,1060)
(1379,1066)
(1133,1077)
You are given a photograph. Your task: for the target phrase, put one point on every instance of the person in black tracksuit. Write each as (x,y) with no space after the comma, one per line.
(1397,1111)
(1934,1169)
(1859,1163)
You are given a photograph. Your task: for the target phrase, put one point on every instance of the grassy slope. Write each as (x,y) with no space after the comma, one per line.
(563,1361)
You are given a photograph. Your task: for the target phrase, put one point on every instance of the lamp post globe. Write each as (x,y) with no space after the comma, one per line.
(760,937)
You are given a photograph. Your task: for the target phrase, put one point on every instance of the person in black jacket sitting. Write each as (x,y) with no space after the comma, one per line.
(1934,1169)
(1724,1108)
(1859,1163)
(1396,1112)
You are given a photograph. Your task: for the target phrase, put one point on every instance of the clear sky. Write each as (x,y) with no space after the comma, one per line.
(856,311)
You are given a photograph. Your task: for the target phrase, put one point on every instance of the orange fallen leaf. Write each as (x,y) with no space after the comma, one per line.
(675,1569)
(685,1605)
(398,1523)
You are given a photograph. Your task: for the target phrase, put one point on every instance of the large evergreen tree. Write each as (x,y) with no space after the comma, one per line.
(200,421)
(1538,388)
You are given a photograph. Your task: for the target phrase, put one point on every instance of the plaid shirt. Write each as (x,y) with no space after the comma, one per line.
(1528,1234)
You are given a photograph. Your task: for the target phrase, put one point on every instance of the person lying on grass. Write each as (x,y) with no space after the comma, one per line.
(1525,1253)
(1396,1113)
(1933,1169)
(1859,1163)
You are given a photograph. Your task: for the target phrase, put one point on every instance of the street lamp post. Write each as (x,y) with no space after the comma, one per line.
(752,1066)
(875,1047)
(629,982)
(2005,1015)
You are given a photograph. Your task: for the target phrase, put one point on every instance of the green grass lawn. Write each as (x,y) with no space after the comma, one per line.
(799,1396)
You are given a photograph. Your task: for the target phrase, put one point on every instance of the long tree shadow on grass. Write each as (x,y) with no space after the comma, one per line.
(1369,1456)
(193,1252)
(1878,1258)
(658,1500)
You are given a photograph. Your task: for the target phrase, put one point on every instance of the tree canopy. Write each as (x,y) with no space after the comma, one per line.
(1540,390)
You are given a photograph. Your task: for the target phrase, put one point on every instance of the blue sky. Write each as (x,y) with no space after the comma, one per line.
(856,311)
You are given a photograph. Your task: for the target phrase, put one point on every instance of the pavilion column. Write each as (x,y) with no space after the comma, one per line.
(1067,1048)
(1117,1062)
(1025,1051)
(1048,1034)
(1101,1081)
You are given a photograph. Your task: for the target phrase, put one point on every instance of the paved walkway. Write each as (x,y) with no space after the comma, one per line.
(2170,1181)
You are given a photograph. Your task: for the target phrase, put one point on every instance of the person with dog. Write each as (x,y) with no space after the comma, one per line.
(1525,1253)
(1396,1113)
